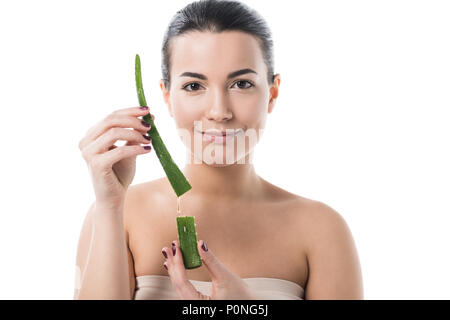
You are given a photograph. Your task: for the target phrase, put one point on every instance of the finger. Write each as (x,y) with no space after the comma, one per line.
(107,140)
(115,119)
(146,136)
(177,273)
(109,158)
(217,269)
(133,111)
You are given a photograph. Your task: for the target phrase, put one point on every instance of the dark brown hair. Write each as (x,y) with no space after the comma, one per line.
(217,16)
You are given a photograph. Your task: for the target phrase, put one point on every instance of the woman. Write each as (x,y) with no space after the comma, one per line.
(265,243)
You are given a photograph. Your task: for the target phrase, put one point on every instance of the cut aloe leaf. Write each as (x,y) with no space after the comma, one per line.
(176,178)
(187,237)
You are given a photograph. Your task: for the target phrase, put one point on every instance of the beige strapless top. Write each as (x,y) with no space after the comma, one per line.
(159,287)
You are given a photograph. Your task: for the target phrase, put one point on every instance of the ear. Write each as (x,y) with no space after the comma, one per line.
(166,96)
(274,88)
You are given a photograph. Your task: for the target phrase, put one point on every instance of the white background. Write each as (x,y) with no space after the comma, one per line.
(361,124)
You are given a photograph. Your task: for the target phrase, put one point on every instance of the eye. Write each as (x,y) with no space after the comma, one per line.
(244,81)
(193,86)
(190,85)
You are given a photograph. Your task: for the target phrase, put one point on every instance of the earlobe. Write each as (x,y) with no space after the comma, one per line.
(272,103)
(274,92)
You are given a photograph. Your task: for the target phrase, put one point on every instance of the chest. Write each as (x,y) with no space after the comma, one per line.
(250,240)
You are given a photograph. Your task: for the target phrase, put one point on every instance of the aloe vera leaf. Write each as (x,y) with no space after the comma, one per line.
(176,178)
(187,237)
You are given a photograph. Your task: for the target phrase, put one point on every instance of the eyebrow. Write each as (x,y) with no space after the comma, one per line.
(231,75)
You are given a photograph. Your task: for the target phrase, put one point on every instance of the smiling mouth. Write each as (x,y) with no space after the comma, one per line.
(220,134)
(218,137)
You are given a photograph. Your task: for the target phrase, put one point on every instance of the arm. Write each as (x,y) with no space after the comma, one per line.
(334,268)
(103,257)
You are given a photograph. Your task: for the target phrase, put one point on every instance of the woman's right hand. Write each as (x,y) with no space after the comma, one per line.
(112,167)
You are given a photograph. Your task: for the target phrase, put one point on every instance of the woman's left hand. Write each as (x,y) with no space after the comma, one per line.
(225,285)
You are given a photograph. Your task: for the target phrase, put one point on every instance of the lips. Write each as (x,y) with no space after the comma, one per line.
(220,133)
(218,136)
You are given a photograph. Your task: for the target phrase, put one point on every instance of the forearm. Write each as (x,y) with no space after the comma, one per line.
(106,275)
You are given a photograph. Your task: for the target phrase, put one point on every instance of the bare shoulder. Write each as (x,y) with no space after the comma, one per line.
(314,222)
(318,222)
(142,193)
(333,262)
(297,207)
(323,223)
(317,212)
(147,189)
(141,198)
(325,243)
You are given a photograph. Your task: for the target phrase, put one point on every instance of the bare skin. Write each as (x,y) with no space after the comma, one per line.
(237,213)
(280,235)
(259,238)
(254,228)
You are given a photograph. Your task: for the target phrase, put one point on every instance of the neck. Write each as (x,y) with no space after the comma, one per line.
(234,182)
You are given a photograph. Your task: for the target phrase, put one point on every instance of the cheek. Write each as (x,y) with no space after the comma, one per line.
(186,111)
(251,111)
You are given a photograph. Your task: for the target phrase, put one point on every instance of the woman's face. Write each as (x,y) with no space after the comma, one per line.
(205,95)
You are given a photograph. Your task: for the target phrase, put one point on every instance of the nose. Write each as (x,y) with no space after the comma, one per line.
(219,110)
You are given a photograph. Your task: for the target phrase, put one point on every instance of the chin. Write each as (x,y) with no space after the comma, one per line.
(219,165)
(224,163)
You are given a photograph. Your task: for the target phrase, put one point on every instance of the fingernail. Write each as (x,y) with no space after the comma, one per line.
(174,249)
(146,137)
(143,108)
(164,254)
(165,266)
(204,247)
(148,147)
(145,124)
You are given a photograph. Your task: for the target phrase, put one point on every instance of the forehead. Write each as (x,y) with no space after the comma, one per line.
(207,52)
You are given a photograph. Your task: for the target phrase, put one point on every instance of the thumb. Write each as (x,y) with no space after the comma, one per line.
(217,269)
